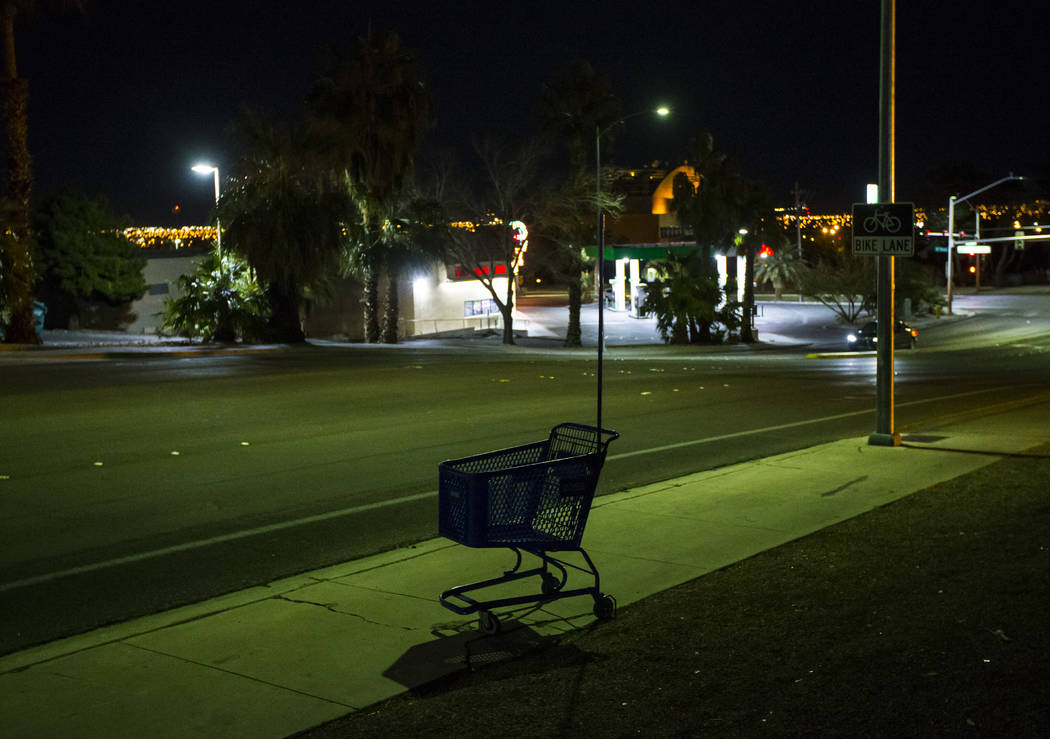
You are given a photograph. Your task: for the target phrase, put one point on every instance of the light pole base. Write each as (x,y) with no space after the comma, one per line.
(880,439)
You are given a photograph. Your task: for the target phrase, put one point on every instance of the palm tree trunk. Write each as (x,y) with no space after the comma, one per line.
(392,312)
(8,12)
(285,325)
(684,331)
(371,304)
(574,334)
(17,262)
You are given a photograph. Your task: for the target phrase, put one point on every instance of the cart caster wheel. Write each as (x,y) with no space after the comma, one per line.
(604,606)
(488,623)
(550,584)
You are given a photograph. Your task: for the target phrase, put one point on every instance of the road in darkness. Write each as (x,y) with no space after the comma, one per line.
(134,483)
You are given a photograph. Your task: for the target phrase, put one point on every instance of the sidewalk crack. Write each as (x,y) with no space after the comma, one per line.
(332,608)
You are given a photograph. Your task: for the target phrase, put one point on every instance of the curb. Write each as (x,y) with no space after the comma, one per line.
(126,353)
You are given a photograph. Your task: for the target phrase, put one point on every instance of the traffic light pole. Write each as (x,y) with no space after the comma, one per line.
(885,433)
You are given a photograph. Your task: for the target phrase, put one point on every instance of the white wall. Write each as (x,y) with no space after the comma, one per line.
(436,304)
(429,304)
(162,274)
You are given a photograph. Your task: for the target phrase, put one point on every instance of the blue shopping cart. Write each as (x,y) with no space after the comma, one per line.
(531,499)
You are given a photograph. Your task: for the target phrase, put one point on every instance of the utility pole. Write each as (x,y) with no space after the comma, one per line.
(885,434)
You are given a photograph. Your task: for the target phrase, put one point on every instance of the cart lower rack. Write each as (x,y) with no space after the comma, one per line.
(530,499)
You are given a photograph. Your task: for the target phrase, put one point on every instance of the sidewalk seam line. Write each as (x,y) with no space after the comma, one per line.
(252,678)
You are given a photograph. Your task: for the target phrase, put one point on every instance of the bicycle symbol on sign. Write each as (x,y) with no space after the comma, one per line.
(882,221)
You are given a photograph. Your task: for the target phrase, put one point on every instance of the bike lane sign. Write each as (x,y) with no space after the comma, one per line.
(883,229)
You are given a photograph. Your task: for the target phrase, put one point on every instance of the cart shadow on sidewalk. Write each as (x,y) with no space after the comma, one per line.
(433,667)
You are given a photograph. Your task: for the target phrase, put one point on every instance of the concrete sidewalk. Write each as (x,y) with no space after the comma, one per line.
(283,657)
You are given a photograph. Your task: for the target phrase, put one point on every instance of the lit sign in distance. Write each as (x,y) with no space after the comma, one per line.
(972,248)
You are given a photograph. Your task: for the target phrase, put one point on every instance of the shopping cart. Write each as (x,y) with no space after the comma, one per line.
(530,499)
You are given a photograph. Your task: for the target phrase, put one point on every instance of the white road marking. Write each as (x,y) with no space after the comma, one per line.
(793,424)
(232,536)
(246,533)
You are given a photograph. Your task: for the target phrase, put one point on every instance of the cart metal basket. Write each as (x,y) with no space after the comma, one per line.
(533,498)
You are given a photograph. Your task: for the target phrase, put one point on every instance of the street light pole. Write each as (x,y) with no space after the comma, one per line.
(600,228)
(885,432)
(601,269)
(951,226)
(211,169)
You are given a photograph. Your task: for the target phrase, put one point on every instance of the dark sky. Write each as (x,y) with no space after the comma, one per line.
(127,96)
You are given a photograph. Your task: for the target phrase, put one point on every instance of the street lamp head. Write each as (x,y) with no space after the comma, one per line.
(203,168)
(663,111)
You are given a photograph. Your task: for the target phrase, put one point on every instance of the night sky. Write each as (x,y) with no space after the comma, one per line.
(125,97)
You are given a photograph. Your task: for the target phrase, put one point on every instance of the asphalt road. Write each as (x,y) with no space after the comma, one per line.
(133,482)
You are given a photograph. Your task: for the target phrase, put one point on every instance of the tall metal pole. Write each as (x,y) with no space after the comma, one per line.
(205,168)
(661,111)
(218,225)
(951,248)
(601,269)
(884,434)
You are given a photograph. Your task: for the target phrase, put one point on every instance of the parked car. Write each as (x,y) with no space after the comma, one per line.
(866,337)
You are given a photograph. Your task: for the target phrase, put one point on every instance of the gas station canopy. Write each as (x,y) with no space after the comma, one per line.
(642,251)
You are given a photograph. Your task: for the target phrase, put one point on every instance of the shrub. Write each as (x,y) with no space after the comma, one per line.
(220,301)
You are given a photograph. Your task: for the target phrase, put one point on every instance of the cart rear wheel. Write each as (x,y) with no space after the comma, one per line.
(550,584)
(488,623)
(604,606)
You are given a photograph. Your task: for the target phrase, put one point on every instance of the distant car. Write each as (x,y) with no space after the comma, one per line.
(866,337)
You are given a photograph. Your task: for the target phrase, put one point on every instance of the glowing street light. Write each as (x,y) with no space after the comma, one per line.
(204,168)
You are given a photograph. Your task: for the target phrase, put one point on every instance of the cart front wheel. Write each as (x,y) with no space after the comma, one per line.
(604,606)
(488,623)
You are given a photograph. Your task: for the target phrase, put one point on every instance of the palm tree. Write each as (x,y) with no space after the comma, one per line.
(780,268)
(16,263)
(708,205)
(285,214)
(683,299)
(719,206)
(575,104)
(755,216)
(567,220)
(415,242)
(375,104)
